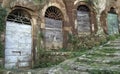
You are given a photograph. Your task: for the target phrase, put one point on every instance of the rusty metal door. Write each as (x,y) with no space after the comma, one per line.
(83,22)
(18,45)
(53,33)
(113,27)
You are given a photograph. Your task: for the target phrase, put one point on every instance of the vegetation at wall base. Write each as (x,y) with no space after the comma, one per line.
(2,28)
(112,37)
(97,71)
(86,42)
(1,50)
(47,59)
(77,46)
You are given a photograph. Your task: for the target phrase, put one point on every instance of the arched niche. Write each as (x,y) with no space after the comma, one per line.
(18,40)
(112,22)
(53,28)
(83,20)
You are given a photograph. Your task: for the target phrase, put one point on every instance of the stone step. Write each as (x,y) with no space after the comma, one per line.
(113,44)
(113,54)
(100,59)
(110,47)
(97,66)
(114,41)
(15,72)
(117,39)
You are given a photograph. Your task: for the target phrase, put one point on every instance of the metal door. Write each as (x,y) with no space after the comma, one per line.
(113,27)
(18,45)
(53,33)
(83,22)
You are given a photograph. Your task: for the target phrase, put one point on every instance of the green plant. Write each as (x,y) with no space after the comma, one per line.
(97,71)
(114,62)
(112,37)
(2,28)
(47,59)
(2,19)
(112,50)
(1,50)
(84,42)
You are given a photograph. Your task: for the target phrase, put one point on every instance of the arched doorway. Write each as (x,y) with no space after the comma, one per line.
(18,40)
(53,28)
(83,20)
(112,22)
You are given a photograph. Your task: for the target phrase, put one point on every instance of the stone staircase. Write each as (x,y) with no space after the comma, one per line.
(102,60)
(112,44)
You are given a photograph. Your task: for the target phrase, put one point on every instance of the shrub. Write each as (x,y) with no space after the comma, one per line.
(84,42)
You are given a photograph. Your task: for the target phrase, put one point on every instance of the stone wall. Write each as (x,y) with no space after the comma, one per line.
(1,1)
(68,9)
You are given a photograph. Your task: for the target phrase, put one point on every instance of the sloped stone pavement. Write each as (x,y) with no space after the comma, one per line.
(102,60)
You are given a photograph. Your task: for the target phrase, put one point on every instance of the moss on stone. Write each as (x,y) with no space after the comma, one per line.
(2,28)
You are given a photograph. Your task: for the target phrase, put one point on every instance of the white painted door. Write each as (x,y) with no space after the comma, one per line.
(18,45)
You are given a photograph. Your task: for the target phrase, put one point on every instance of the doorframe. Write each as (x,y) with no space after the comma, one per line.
(92,16)
(88,11)
(111,24)
(116,12)
(32,32)
(62,19)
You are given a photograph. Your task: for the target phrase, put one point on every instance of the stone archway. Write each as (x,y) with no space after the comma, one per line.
(112,22)
(53,28)
(93,27)
(18,40)
(83,20)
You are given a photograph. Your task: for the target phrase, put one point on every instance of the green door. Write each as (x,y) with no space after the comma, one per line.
(113,27)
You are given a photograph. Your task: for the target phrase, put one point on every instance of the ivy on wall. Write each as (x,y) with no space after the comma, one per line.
(2,28)
(2,18)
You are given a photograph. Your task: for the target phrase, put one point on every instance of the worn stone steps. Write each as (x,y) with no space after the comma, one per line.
(105,57)
(113,44)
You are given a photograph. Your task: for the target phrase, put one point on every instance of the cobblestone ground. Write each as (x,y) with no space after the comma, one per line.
(102,60)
